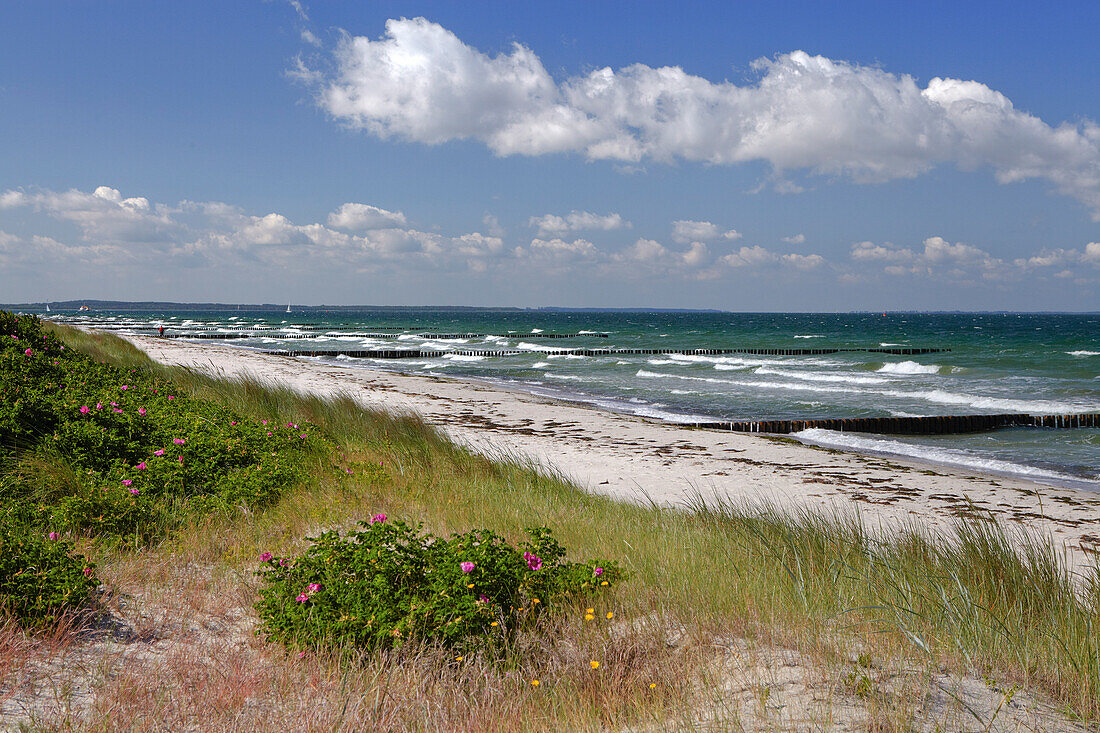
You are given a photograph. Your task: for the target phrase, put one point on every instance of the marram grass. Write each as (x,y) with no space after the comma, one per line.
(974,601)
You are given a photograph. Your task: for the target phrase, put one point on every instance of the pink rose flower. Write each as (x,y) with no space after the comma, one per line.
(534,562)
(135,492)
(302,598)
(265,556)
(467,567)
(99,405)
(598,572)
(158,452)
(141,410)
(84,410)
(314,587)
(87,572)
(127,481)
(378,518)
(54,536)
(141,466)
(179,441)
(29,352)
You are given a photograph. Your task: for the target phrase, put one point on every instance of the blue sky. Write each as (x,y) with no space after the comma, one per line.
(767,156)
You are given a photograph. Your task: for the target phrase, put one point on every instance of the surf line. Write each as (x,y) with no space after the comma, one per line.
(436,353)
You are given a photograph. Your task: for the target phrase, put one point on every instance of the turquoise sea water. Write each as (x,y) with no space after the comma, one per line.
(998,363)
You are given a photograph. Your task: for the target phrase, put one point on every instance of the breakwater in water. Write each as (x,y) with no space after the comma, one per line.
(928,425)
(792,370)
(433,353)
(209,333)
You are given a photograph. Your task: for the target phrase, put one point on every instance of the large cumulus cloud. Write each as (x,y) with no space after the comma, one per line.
(420,82)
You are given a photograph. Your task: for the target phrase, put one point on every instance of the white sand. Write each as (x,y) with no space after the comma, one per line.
(635,459)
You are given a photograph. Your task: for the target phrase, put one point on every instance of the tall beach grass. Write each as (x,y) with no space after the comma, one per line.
(703,581)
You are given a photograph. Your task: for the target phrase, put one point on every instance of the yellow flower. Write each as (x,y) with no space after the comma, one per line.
(588,617)
(653,685)
(594,664)
(604,583)
(590,610)
(459,659)
(494,624)
(471,585)
(610,614)
(534,683)
(534,601)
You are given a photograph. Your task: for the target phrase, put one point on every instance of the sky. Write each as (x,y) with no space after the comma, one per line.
(776,156)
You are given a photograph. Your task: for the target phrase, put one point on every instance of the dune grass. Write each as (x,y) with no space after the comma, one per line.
(702,581)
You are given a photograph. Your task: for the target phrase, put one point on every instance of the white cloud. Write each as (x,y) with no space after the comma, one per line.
(103,214)
(560,249)
(492,225)
(938,249)
(134,232)
(1092,253)
(749,257)
(362,217)
(803,262)
(575,221)
(872,251)
(687,230)
(420,82)
(796,239)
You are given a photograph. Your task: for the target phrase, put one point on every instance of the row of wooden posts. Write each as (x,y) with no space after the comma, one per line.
(930,425)
(436,353)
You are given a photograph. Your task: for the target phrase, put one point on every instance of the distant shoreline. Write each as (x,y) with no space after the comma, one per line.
(65,306)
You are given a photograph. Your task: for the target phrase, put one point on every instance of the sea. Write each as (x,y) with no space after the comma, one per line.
(992,363)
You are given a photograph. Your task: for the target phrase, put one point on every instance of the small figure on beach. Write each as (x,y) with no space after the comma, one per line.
(162,331)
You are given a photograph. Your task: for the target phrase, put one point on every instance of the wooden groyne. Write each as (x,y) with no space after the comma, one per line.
(437,353)
(932,425)
(209,333)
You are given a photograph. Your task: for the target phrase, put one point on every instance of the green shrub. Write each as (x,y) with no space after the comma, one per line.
(40,577)
(141,454)
(119,455)
(388,583)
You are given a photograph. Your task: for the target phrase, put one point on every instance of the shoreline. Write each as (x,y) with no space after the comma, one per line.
(632,458)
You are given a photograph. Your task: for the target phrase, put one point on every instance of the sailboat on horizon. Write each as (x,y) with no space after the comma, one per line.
(288,307)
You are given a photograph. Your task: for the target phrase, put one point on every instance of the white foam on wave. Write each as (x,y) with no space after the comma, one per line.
(567,356)
(540,365)
(535,347)
(569,377)
(816,377)
(937,396)
(813,336)
(1083,353)
(464,357)
(536,330)
(945,456)
(908,367)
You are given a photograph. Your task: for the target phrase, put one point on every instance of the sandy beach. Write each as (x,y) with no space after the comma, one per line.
(634,459)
